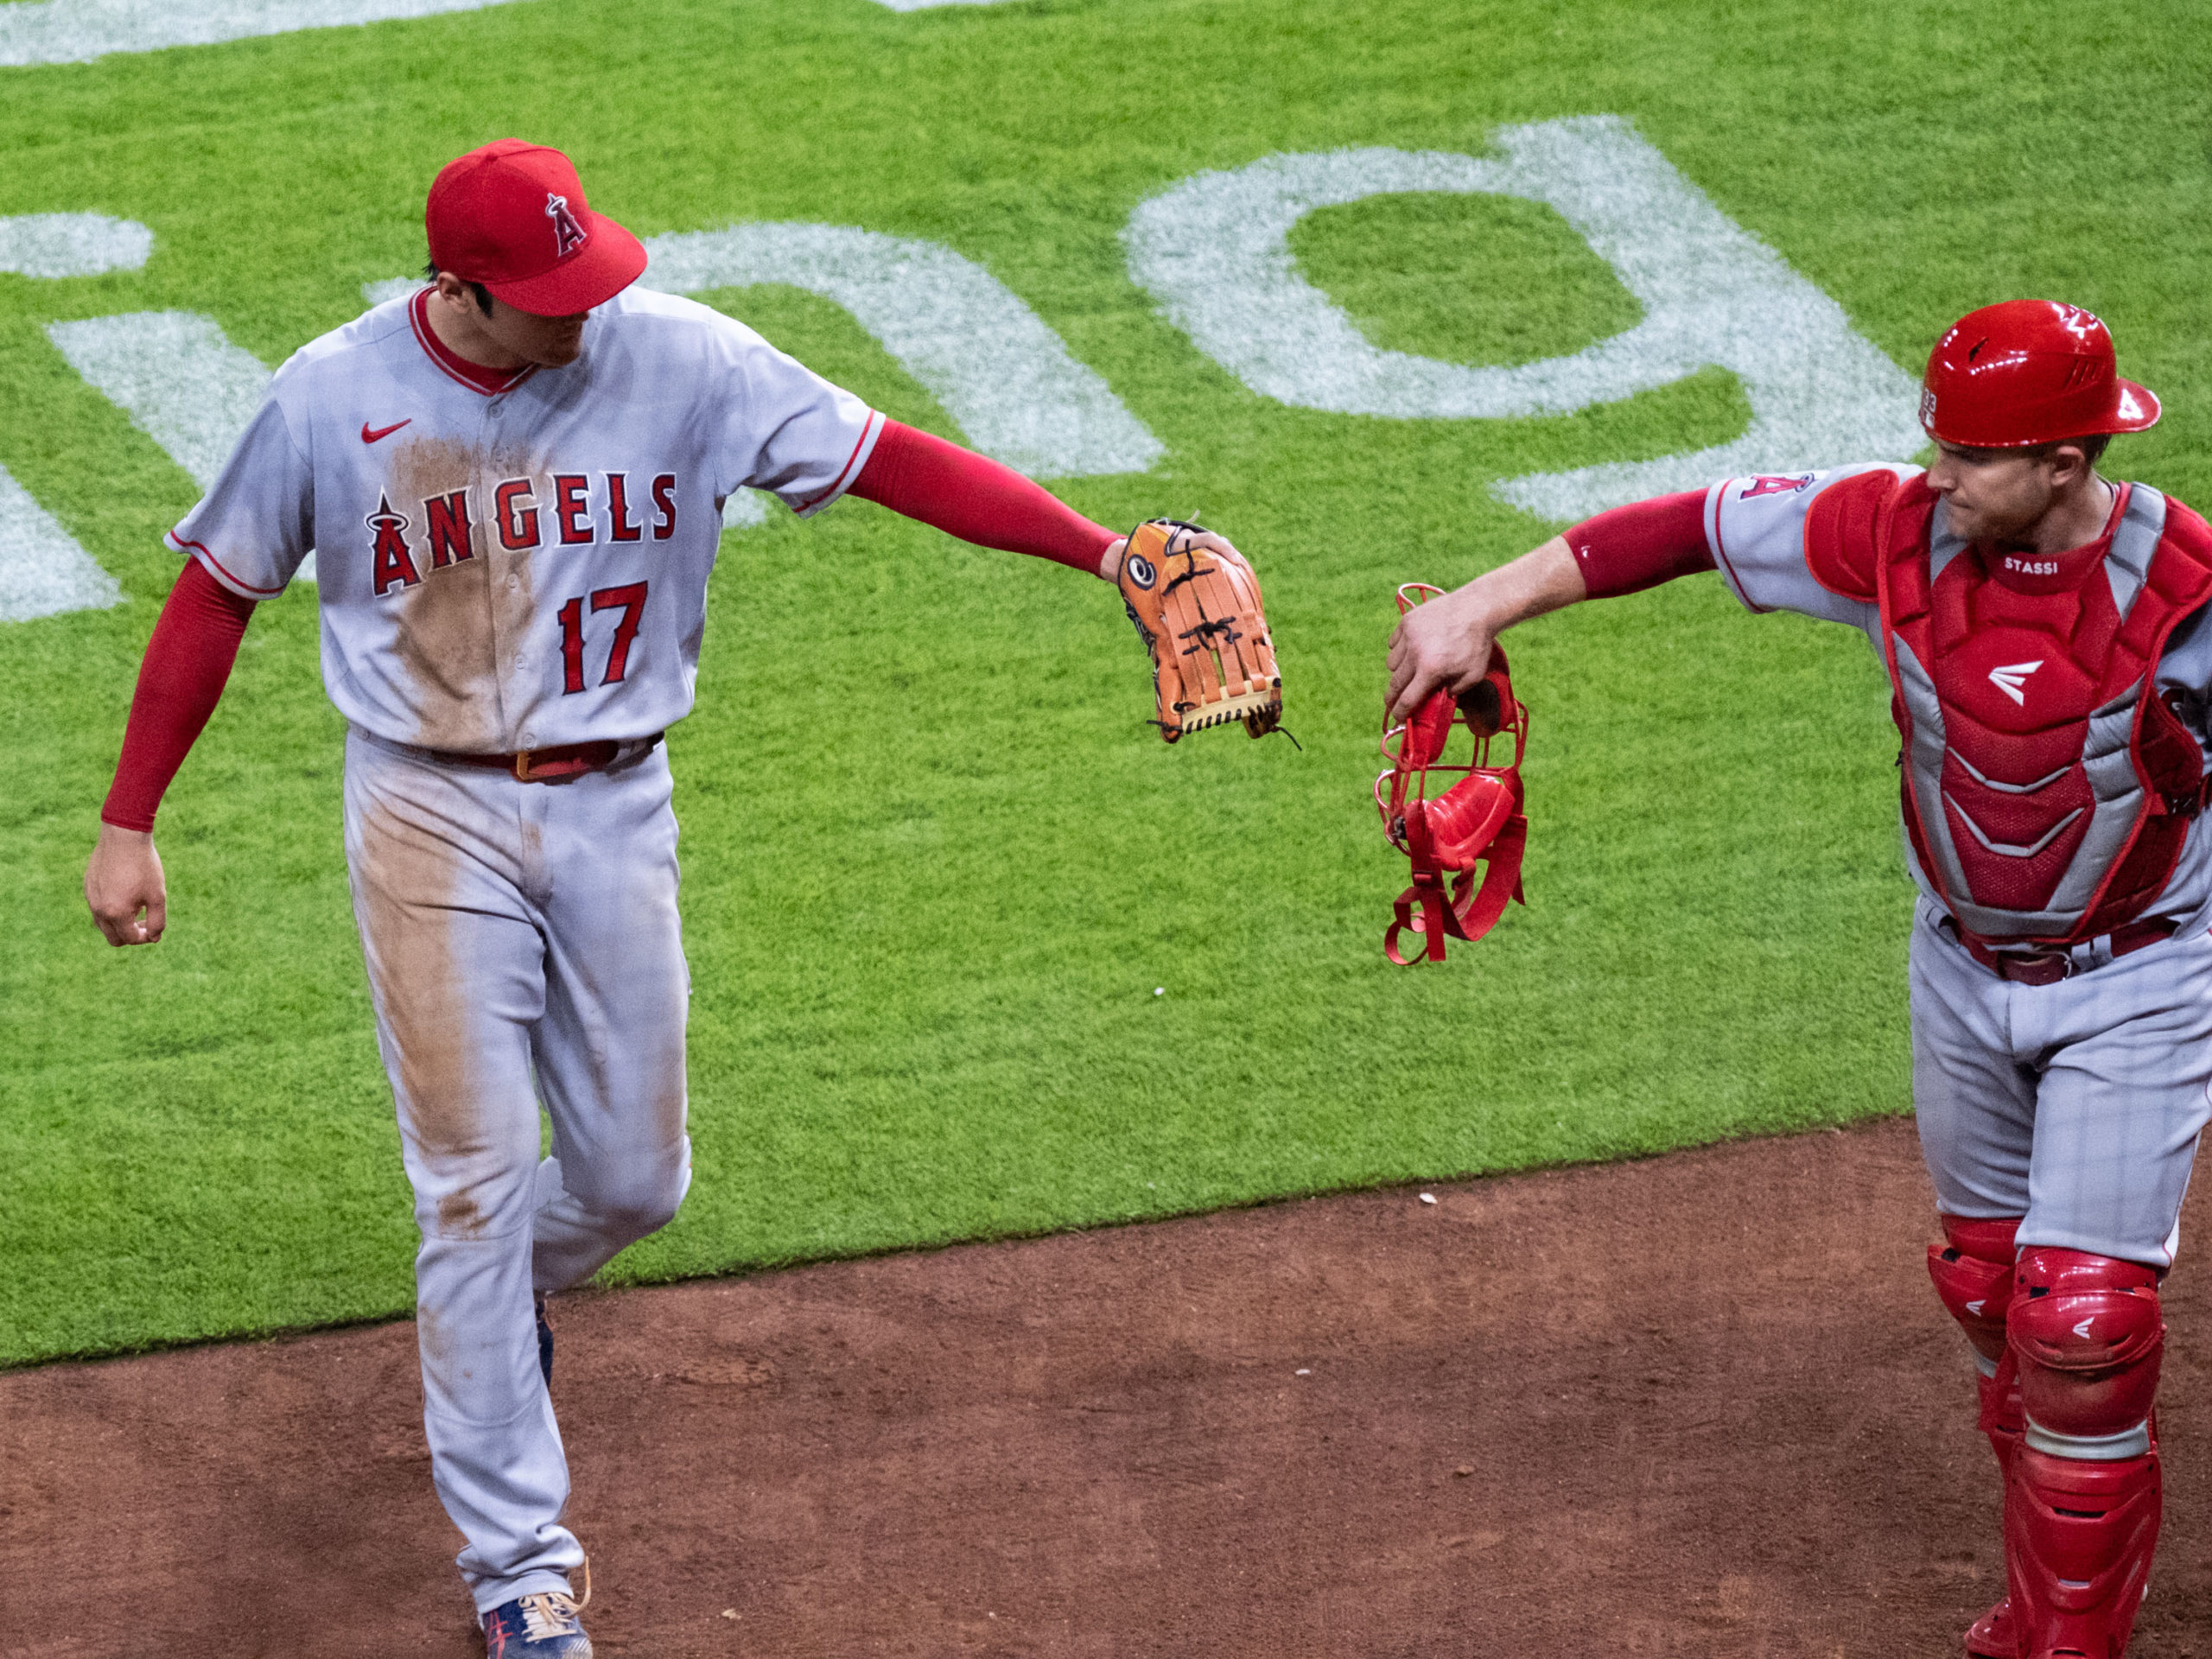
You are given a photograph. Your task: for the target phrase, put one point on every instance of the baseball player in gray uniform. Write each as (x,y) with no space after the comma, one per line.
(514,481)
(2045,635)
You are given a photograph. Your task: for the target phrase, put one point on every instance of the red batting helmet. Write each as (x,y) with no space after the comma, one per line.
(2028,372)
(512,216)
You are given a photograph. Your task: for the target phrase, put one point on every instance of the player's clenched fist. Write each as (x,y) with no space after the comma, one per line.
(124,886)
(1445,644)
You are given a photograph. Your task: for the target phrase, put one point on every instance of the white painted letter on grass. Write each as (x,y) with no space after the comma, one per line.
(43,572)
(178,378)
(71,244)
(1214,250)
(77,31)
(988,358)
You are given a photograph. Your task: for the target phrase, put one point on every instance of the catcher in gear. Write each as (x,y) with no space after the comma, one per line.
(2047,638)
(1195,605)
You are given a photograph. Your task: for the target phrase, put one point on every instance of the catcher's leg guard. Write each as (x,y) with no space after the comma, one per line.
(2078,1541)
(1972,1273)
(2082,1503)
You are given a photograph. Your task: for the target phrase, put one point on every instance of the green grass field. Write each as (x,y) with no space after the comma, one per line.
(935,865)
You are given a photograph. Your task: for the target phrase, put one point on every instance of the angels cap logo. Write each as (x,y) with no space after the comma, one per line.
(1140,570)
(568,234)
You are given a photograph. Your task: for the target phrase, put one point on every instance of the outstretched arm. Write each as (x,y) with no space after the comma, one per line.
(981,500)
(988,503)
(187,663)
(1445,644)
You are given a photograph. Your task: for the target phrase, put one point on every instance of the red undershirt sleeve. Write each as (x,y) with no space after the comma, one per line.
(977,498)
(1641,546)
(187,663)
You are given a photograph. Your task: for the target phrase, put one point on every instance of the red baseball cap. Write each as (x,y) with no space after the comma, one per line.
(512,216)
(2028,372)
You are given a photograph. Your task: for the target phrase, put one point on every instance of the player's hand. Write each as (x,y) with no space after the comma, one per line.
(1442,645)
(1214,544)
(1109,562)
(125,888)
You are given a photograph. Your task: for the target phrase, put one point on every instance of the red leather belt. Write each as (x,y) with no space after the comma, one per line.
(2048,967)
(556,765)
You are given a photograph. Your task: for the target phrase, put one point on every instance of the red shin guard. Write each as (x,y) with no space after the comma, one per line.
(2085,1335)
(1972,1274)
(1996,1633)
(2002,1417)
(2078,1540)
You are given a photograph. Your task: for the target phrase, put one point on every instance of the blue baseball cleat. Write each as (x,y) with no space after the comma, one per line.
(543,1627)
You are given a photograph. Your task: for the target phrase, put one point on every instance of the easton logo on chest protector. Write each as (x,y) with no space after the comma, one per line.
(2058,821)
(568,234)
(2011,678)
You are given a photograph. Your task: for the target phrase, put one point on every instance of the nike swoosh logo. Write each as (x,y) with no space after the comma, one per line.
(368,436)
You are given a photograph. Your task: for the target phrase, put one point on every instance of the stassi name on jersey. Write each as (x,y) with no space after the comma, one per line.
(2033,567)
(520,520)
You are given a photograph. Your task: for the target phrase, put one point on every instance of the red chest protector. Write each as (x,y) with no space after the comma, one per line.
(2047,788)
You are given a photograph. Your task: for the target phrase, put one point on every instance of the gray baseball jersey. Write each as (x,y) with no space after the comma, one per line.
(511,562)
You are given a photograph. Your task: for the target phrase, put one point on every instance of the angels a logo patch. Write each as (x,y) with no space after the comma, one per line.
(568,233)
(1785,483)
(393,565)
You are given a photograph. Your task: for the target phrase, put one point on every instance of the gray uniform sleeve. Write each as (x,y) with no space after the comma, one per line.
(255,526)
(1755,529)
(783,427)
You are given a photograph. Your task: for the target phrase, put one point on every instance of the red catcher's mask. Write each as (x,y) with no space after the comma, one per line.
(1472,820)
(2028,372)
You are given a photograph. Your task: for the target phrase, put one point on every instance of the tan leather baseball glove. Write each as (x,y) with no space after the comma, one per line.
(1195,603)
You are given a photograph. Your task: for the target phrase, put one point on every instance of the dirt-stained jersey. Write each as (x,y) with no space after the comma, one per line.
(513,561)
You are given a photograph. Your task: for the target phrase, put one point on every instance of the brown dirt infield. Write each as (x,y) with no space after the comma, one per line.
(1706,1404)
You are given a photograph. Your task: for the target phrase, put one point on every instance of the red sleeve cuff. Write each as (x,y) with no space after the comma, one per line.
(977,498)
(187,663)
(1641,546)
